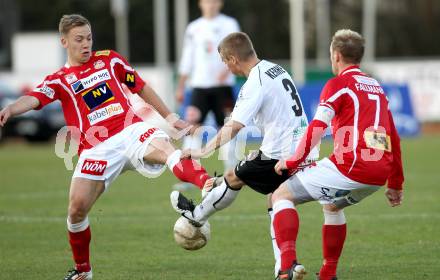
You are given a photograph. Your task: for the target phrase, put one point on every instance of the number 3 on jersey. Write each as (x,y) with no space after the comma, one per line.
(290,88)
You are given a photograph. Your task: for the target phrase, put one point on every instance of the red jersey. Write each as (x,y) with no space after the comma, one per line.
(366,143)
(91,96)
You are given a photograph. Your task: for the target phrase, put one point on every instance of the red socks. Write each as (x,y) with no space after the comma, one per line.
(188,170)
(79,242)
(286,225)
(333,238)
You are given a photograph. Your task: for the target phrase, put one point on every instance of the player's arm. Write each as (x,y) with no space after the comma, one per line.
(180,90)
(315,131)
(248,104)
(22,105)
(394,192)
(132,83)
(225,134)
(151,97)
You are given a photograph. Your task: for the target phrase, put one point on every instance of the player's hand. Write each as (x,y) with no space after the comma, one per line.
(4,115)
(207,187)
(280,166)
(394,197)
(192,153)
(180,93)
(209,184)
(186,154)
(182,125)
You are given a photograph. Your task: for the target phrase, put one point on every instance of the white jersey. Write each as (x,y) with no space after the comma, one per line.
(200,58)
(269,99)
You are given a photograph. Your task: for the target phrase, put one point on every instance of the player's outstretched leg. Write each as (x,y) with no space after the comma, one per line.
(161,151)
(187,170)
(189,142)
(218,198)
(334,232)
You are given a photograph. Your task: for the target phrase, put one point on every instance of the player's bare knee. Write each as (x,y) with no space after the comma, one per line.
(331,208)
(269,200)
(163,144)
(158,151)
(77,211)
(230,176)
(282,192)
(233,181)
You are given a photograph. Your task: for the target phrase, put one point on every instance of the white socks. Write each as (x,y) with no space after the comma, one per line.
(173,159)
(276,250)
(334,218)
(78,227)
(217,199)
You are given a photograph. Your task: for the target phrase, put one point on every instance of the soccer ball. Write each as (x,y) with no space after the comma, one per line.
(189,236)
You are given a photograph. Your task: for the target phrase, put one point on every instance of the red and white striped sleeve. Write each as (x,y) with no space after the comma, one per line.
(46,92)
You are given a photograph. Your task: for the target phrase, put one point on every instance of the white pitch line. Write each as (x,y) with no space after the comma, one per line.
(218,217)
(27,195)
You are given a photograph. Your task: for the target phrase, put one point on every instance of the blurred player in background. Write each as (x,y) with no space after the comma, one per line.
(270,100)
(93,88)
(210,80)
(366,155)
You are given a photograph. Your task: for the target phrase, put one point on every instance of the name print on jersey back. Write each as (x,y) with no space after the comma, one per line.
(275,71)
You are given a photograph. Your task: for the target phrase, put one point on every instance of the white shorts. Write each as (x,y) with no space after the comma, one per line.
(123,151)
(325,183)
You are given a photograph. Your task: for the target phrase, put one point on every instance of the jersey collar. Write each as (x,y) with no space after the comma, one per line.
(353,68)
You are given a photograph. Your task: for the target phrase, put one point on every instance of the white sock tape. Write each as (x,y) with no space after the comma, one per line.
(334,218)
(174,159)
(78,227)
(282,204)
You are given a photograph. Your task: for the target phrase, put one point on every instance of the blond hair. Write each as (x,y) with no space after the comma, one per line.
(350,44)
(67,22)
(237,44)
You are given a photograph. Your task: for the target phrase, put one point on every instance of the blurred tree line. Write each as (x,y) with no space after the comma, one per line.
(405,28)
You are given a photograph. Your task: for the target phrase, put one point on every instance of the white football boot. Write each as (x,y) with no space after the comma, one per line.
(76,275)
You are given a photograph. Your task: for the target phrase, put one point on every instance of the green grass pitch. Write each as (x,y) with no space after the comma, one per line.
(132,226)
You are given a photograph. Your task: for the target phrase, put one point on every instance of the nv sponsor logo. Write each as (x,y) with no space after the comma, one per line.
(97,96)
(105,113)
(147,134)
(94,167)
(90,81)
